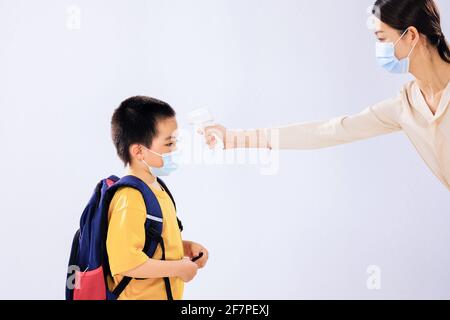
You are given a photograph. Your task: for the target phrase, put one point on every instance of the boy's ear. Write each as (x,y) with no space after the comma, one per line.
(136,152)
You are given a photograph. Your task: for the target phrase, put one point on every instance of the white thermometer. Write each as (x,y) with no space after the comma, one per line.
(202,118)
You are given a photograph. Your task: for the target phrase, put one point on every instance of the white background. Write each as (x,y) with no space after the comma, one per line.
(310,231)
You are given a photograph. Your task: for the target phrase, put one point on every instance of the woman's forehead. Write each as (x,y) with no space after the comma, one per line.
(377,25)
(380,28)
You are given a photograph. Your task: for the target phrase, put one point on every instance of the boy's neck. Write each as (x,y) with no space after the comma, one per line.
(142,173)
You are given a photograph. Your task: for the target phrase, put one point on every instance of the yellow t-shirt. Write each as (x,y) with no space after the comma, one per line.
(126,239)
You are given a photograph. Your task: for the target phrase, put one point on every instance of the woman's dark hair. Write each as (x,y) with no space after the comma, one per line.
(422,14)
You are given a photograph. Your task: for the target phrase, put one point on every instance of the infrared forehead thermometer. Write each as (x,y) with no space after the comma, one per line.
(201,118)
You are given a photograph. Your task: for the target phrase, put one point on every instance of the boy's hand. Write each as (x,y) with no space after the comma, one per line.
(193,250)
(188,269)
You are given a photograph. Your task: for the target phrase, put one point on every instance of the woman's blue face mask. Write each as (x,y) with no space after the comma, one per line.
(385,54)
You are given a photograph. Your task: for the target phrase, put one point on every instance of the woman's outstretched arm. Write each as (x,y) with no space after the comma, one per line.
(376,120)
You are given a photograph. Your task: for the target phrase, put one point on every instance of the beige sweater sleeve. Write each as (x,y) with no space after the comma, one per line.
(376,120)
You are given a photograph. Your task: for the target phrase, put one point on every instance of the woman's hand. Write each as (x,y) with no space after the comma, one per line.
(231,139)
(193,250)
(212,133)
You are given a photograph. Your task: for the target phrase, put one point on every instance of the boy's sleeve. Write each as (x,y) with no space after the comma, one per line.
(126,231)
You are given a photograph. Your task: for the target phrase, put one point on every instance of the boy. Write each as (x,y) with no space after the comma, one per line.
(143,132)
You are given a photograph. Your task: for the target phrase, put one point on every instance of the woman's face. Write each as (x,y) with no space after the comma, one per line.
(385,33)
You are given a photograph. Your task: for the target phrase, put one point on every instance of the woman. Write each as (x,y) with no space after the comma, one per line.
(410,39)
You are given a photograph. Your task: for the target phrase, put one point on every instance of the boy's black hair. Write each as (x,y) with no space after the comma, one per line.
(135,121)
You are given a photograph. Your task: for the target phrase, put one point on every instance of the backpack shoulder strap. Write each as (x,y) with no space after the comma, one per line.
(154,220)
(167,190)
(180,225)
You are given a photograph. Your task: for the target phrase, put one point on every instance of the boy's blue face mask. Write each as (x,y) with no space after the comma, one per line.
(385,53)
(170,163)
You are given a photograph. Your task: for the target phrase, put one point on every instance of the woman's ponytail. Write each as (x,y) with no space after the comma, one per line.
(444,50)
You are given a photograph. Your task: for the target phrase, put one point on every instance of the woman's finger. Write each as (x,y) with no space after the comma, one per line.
(211,139)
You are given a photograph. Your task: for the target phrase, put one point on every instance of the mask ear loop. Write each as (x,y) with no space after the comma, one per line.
(148,166)
(152,151)
(409,54)
(396,42)
(158,154)
(414,46)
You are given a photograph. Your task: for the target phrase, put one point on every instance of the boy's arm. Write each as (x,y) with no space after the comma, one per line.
(152,268)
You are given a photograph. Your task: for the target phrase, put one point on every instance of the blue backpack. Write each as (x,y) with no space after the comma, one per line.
(88,264)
